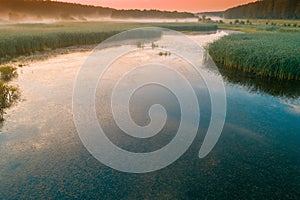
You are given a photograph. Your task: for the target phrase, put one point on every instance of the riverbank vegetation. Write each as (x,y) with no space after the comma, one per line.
(264,47)
(263,53)
(8,73)
(260,25)
(26,39)
(268,48)
(8,94)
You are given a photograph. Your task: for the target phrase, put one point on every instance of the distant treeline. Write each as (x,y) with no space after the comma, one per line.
(39,9)
(150,14)
(215,13)
(266,9)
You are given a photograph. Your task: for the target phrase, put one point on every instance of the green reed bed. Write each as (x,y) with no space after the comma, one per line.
(190,27)
(268,54)
(25,39)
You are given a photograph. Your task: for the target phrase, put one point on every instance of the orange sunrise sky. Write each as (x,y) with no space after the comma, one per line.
(179,5)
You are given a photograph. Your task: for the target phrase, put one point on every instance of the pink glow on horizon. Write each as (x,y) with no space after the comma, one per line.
(179,5)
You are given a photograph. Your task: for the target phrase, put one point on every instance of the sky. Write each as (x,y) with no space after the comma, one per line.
(179,5)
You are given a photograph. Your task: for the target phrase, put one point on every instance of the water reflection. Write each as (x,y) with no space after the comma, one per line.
(274,87)
(256,157)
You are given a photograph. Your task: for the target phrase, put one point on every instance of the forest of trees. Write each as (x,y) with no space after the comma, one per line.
(150,14)
(45,9)
(266,9)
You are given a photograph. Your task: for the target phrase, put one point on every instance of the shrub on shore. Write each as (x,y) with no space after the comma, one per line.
(8,94)
(8,73)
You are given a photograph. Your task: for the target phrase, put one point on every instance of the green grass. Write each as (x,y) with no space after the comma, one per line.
(25,39)
(256,28)
(268,54)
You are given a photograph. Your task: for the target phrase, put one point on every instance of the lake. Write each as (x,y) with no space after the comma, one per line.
(257,155)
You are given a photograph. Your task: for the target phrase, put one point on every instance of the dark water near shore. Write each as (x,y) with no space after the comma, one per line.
(256,157)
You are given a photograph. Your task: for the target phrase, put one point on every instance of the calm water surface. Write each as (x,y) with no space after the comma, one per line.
(257,156)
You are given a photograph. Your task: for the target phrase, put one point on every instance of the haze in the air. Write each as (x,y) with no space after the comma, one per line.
(179,5)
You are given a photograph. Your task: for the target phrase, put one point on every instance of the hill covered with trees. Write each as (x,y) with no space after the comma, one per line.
(15,10)
(266,9)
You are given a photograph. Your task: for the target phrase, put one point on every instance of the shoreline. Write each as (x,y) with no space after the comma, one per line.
(24,60)
(43,61)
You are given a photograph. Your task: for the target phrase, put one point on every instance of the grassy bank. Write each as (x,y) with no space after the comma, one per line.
(25,39)
(265,53)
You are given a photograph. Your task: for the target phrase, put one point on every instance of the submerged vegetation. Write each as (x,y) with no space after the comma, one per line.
(166,53)
(268,54)
(8,94)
